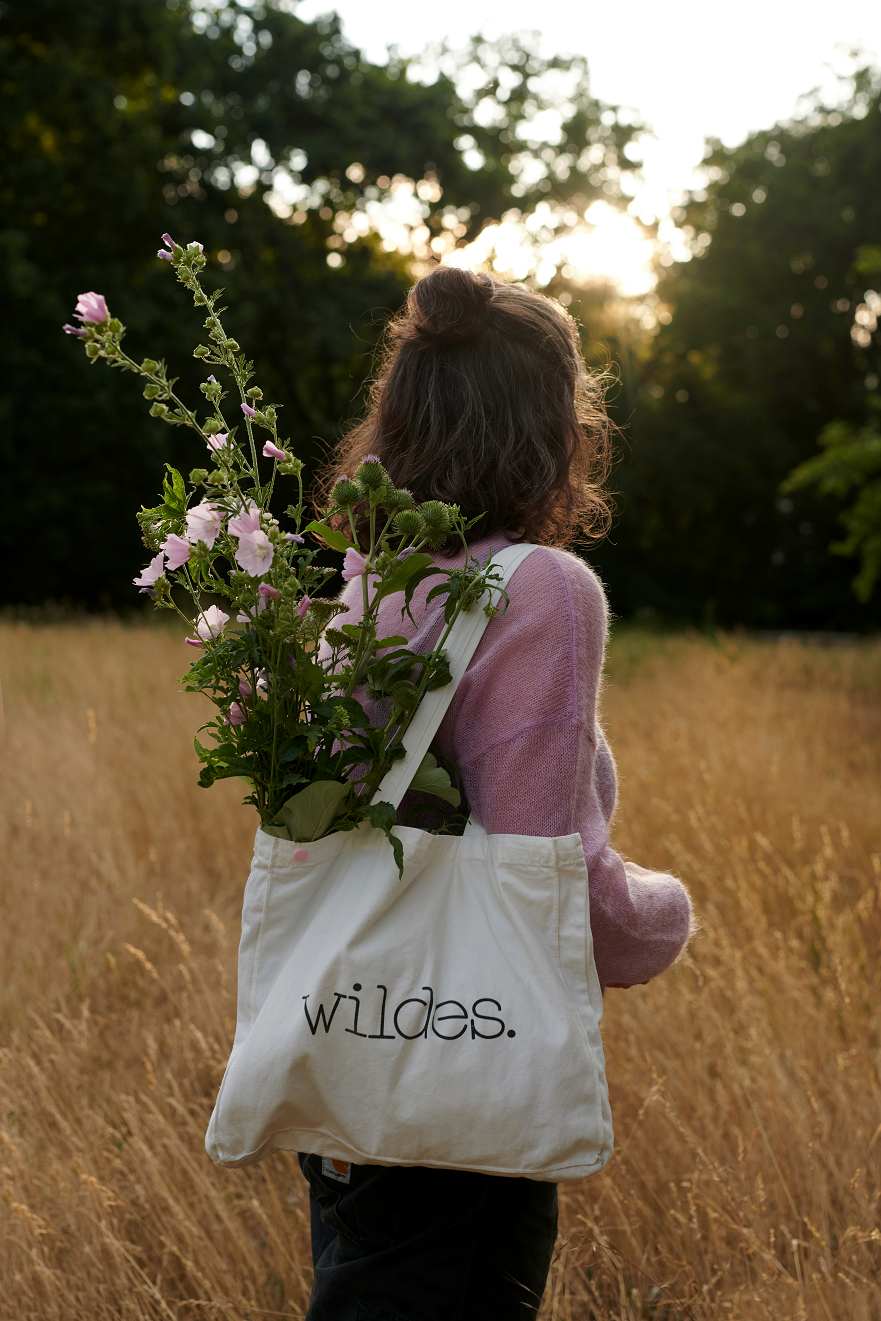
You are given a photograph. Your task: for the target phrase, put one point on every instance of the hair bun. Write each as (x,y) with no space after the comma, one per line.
(450,304)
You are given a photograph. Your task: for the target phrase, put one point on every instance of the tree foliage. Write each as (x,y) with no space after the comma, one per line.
(770,341)
(120,121)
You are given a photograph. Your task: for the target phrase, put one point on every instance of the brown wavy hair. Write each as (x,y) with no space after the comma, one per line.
(483,400)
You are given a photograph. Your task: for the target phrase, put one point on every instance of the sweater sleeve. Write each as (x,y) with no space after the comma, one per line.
(523,730)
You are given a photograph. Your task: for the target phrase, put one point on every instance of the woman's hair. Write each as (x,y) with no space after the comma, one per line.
(483,400)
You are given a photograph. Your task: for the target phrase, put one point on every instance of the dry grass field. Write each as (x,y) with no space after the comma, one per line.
(746,1082)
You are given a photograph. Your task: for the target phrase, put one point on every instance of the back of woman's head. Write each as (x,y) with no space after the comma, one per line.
(483,401)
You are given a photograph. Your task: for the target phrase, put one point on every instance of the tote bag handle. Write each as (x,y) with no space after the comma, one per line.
(461,646)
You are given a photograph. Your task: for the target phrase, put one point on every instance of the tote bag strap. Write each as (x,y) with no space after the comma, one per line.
(461,646)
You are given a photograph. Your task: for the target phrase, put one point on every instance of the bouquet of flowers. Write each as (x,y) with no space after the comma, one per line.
(285,680)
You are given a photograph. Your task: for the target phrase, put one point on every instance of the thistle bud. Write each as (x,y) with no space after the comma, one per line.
(396,501)
(436,522)
(346,493)
(405,693)
(372,475)
(408,523)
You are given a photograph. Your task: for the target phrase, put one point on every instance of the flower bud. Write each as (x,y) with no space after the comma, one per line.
(148,365)
(212,425)
(158,410)
(231,344)
(395,501)
(347,493)
(151,391)
(372,475)
(197,476)
(115,325)
(336,639)
(255,392)
(92,351)
(292,468)
(405,693)
(201,351)
(436,522)
(408,523)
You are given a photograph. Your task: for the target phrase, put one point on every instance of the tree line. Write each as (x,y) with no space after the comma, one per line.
(275,143)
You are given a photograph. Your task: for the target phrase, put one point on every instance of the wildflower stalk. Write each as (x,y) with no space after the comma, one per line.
(287,684)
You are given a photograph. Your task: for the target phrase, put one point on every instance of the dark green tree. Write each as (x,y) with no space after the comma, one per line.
(769,343)
(120,121)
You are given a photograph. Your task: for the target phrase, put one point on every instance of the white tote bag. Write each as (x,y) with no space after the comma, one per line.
(447,1019)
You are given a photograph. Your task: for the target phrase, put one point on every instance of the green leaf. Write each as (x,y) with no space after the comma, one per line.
(329,535)
(310,813)
(174,491)
(280,832)
(413,569)
(390,642)
(382,817)
(433,779)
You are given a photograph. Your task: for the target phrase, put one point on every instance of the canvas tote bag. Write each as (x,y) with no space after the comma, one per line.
(446,1019)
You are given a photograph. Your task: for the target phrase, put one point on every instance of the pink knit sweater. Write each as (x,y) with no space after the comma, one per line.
(523,731)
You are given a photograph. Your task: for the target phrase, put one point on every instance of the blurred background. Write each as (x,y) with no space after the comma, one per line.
(703,199)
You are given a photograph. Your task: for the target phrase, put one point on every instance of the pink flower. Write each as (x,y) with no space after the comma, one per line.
(165,256)
(249,411)
(177,549)
(271,451)
(210,623)
(204,523)
(245,688)
(168,241)
(190,246)
(92,307)
(371,458)
(255,553)
(303,606)
(218,442)
(236,715)
(354,564)
(247,521)
(154,570)
(293,536)
(74,330)
(248,614)
(265,590)
(194,642)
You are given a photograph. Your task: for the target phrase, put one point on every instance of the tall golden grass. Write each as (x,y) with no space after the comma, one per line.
(745,1082)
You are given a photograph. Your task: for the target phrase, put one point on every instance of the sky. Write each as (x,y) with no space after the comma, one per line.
(691,71)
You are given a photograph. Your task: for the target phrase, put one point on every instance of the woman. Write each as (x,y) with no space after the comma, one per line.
(484,401)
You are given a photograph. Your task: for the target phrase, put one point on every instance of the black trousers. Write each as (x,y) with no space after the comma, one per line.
(413,1244)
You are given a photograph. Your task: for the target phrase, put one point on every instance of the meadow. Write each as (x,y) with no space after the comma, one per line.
(745,1082)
